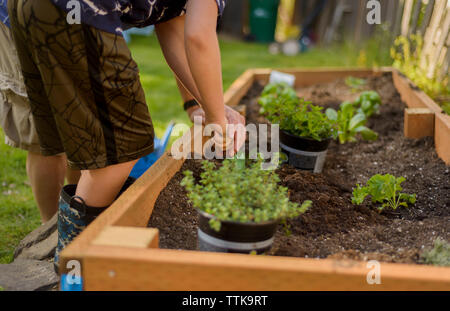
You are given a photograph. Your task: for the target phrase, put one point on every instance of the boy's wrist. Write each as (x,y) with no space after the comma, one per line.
(191,104)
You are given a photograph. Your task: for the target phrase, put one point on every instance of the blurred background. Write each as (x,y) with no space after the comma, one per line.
(413,36)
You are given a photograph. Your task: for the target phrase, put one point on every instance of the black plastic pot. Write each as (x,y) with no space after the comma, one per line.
(304,153)
(235,237)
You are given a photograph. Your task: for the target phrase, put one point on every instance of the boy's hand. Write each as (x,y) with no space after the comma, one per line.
(235,122)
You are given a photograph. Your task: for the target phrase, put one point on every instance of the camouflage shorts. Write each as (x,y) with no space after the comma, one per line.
(83,87)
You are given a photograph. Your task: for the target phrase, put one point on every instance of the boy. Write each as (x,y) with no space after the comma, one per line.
(85,93)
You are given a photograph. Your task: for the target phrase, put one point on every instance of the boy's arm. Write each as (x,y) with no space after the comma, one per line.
(191,48)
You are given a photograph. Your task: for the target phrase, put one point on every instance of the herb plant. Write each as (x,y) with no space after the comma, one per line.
(439,255)
(384,189)
(281,105)
(236,192)
(350,123)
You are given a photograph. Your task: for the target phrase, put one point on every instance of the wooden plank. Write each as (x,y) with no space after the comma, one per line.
(442,137)
(427,17)
(307,76)
(407,11)
(419,122)
(430,34)
(128,237)
(335,21)
(360,20)
(350,19)
(438,48)
(392,7)
(325,19)
(415,17)
(398,18)
(115,268)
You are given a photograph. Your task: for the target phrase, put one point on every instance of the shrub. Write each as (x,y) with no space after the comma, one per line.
(240,193)
(407,54)
(281,105)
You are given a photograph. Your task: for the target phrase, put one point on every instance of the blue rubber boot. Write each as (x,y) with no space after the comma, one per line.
(74,216)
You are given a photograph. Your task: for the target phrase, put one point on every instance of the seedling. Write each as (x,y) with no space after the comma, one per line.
(350,123)
(281,105)
(368,103)
(355,83)
(246,194)
(384,189)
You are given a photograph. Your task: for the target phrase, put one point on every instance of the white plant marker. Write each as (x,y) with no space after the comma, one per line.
(278,77)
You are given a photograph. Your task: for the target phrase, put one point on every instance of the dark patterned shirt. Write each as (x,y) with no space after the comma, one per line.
(108,15)
(4,12)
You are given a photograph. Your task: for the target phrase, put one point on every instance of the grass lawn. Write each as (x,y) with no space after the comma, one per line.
(18,212)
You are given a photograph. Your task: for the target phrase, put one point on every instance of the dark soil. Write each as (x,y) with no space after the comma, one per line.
(333,227)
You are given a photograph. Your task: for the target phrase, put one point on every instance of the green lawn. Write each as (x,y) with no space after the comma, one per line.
(18,213)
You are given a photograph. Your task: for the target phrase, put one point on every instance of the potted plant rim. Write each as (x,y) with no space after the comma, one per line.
(305,131)
(239,205)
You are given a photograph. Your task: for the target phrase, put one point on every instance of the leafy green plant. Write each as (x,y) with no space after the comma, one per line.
(281,105)
(439,255)
(355,83)
(369,103)
(241,193)
(406,54)
(383,189)
(350,123)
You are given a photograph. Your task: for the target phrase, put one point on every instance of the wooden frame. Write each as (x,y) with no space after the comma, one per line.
(117,252)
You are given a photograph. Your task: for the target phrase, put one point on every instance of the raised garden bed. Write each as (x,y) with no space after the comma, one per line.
(333,228)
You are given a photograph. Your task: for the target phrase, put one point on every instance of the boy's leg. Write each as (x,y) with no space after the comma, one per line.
(100,187)
(93,108)
(72,176)
(46,174)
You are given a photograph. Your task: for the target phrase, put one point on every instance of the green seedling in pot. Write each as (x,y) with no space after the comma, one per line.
(384,189)
(281,105)
(350,123)
(240,193)
(368,103)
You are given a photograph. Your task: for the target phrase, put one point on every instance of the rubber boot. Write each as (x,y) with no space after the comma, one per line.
(74,216)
